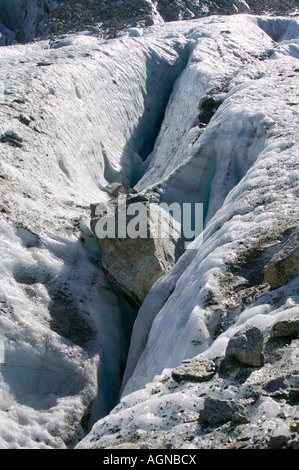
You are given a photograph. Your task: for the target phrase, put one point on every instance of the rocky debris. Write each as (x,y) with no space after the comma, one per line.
(113,189)
(171,11)
(246,347)
(197,370)
(287,328)
(136,261)
(100,17)
(277,384)
(221,411)
(243,282)
(213,413)
(24,119)
(12,138)
(284,265)
(107,18)
(273,6)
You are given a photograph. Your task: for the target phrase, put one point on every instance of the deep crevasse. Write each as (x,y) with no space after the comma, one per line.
(76,108)
(218,288)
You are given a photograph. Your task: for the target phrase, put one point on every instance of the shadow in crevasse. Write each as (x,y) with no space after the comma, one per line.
(161,77)
(39,368)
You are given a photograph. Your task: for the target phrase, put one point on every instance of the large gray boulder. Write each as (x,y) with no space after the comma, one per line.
(284,265)
(285,329)
(136,263)
(246,347)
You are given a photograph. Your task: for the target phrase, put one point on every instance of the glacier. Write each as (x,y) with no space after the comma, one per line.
(81,112)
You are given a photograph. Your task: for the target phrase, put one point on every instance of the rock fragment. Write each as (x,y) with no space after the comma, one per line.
(136,261)
(221,411)
(278,442)
(246,347)
(24,119)
(12,138)
(286,328)
(284,265)
(194,370)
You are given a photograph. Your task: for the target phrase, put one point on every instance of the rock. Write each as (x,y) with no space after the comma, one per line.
(284,265)
(220,411)
(293,444)
(246,347)
(134,262)
(294,396)
(133,198)
(195,370)
(240,417)
(44,64)
(148,22)
(294,426)
(24,119)
(278,442)
(114,189)
(237,445)
(12,138)
(126,445)
(287,328)
(119,26)
(133,191)
(233,370)
(275,384)
(206,102)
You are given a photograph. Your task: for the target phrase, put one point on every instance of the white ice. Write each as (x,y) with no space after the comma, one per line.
(240,167)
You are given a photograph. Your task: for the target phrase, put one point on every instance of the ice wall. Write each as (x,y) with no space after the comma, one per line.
(74,112)
(237,166)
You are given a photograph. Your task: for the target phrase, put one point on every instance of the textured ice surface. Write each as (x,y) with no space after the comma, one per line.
(251,144)
(73,115)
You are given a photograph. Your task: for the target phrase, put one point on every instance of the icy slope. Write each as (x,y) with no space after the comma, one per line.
(239,166)
(249,154)
(73,115)
(254,128)
(79,113)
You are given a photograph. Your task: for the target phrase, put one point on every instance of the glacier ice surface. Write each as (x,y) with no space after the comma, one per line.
(126,110)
